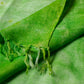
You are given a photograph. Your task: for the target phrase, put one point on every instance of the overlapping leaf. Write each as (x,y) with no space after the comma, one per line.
(28,25)
(68,63)
(68,67)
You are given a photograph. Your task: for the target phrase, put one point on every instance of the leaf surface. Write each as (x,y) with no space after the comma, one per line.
(68,67)
(31,29)
(68,64)
(71,27)
(26,22)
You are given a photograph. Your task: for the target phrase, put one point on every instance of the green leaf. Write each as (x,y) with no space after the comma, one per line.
(71,27)
(4,5)
(68,62)
(68,67)
(19,9)
(26,22)
(31,29)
